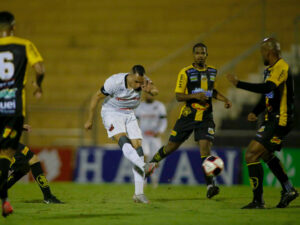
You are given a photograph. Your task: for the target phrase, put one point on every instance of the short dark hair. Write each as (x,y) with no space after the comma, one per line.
(139,69)
(199,45)
(7,19)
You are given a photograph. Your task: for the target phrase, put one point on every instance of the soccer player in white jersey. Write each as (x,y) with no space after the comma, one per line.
(153,122)
(122,93)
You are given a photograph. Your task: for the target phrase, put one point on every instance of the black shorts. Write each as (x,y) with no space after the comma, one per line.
(271,135)
(21,158)
(11,128)
(202,130)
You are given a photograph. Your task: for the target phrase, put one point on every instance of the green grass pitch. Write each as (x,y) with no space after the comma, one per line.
(109,204)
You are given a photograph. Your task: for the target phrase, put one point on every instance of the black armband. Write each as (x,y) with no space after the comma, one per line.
(102,90)
(263,88)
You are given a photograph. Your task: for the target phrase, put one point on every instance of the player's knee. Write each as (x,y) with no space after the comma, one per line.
(33,160)
(171,147)
(123,140)
(251,156)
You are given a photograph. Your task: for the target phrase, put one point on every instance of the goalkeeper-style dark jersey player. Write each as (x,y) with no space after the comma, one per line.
(15,54)
(196,87)
(277,103)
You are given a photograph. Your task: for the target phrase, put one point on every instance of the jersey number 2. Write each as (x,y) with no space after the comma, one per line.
(7,68)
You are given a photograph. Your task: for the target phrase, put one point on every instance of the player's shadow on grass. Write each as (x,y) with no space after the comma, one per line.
(87,216)
(34,201)
(176,199)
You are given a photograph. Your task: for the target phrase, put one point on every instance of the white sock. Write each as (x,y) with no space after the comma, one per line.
(131,154)
(138,181)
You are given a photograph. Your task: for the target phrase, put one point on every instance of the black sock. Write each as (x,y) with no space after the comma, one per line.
(4,167)
(208,180)
(159,155)
(278,170)
(256,175)
(38,174)
(14,177)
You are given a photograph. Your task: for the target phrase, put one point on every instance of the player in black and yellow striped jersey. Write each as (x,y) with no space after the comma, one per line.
(15,54)
(196,87)
(277,103)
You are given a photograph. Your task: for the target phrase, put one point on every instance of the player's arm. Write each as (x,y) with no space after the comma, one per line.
(36,61)
(180,90)
(262,88)
(99,95)
(259,108)
(217,95)
(39,69)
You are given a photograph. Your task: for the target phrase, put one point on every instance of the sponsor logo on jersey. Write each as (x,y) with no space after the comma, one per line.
(212,77)
(193,78)
(8,93)
(270,95)
(211,131)
(111,127)
(276,140)
(261,129)
(186,111)
(8,105)
(200,90)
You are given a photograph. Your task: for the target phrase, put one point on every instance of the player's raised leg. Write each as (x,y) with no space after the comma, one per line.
(288,193)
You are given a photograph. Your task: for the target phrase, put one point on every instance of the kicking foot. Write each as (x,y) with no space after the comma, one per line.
(6,209)
(140,199)
(255,205)
(149,168)
(212,191)
(287,197)
(52,200)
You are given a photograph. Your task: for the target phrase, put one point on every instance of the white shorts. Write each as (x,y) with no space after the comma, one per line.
(118,122)
(151,145)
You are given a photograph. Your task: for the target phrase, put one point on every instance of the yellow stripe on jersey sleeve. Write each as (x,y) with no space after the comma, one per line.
(279,73)
(181,82)
(33,54)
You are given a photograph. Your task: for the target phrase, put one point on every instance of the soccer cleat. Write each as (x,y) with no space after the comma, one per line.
(149,168)
(212,191)
(52,200)
(255,205)
(140,199)
(6,209)
(287,197)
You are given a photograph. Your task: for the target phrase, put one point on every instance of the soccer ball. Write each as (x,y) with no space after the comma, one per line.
(213,165)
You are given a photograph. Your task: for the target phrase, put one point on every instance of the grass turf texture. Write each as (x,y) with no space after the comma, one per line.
(108,204)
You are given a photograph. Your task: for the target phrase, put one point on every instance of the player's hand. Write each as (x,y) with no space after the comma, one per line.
(200,96)
(27,127)
(37,93)
(252,117)
(88,125)
(147,86)
(227,104)
(232,79)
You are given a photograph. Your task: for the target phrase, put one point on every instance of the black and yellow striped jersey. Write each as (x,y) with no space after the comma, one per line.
(192,80)
(280,102)
(15,54)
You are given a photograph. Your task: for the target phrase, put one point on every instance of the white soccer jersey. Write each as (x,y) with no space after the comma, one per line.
(119,97)
(152,117)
